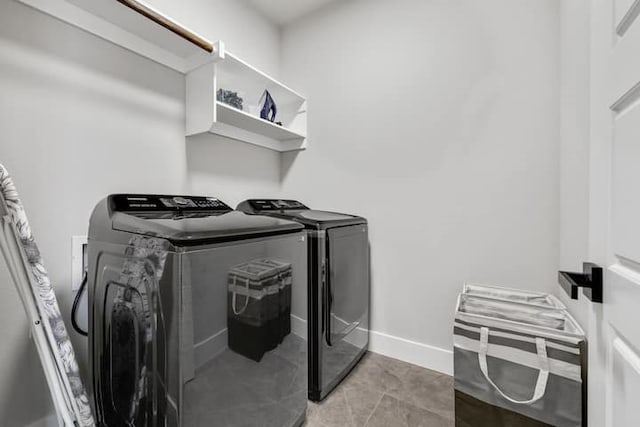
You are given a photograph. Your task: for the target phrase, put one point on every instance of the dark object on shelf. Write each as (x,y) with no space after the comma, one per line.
(279,123)
(269,108)
(590,279)
(230,98)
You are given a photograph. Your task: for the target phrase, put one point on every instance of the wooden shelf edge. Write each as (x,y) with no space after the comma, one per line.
(86,20)
(167,23)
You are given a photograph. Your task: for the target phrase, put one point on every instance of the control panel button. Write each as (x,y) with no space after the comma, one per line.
(275,205)
(180,201)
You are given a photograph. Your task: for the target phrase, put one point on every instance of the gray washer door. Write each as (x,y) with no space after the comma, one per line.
(347,302)
(346,299)
(348,277)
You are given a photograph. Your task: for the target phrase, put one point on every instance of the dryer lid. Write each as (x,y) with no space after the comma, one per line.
(322,219)
(323,216)
(296,211)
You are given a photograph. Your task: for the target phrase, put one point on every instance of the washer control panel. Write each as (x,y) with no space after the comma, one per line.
(275,205)
(163,203)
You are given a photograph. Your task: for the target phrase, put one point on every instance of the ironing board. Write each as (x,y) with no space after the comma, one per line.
(48,329)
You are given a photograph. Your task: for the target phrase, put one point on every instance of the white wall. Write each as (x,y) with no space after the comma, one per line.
(438,121)
(574,133)
(574,173)
(81,118)
(574,144)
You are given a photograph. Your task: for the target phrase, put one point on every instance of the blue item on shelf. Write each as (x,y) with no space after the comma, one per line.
(269,108)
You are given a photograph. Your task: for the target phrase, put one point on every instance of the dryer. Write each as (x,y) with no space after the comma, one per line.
(197,314)
(339,288)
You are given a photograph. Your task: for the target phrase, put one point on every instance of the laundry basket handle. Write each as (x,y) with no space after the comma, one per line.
(543,375)
(235,293)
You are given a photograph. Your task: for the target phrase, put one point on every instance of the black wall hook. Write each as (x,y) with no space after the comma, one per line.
(590,280)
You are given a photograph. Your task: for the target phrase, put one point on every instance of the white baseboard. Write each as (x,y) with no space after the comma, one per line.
(427,356)
(299,326)
(209,348)
(48,421)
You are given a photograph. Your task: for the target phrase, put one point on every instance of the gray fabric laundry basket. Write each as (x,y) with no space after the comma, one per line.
(517,365)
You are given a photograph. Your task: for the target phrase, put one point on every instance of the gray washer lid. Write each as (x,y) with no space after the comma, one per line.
(186,229)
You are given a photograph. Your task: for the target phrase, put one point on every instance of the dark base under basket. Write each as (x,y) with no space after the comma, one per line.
(471,412)
(254,341)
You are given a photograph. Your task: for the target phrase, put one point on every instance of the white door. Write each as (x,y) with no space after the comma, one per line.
(614,212)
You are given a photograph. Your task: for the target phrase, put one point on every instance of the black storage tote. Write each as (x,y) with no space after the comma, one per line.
(284,294)
(258,299)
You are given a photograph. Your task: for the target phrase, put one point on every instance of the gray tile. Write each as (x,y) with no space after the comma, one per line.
(313,416)
(394,366)
(361,401)
(314,423)
(379,372)
(426,389)
(393,412)
(312,412)
(333,411)
(382,391)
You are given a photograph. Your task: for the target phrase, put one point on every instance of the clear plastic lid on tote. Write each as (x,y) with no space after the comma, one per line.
(540,299)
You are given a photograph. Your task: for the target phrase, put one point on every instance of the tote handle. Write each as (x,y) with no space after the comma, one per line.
(543,375)
(233,300)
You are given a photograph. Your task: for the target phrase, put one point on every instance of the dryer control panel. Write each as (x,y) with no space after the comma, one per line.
(164,203)
(262,205)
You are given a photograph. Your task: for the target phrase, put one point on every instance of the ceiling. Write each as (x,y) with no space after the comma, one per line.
(283,12)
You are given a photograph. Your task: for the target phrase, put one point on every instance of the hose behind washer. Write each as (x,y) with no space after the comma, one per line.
(76,302)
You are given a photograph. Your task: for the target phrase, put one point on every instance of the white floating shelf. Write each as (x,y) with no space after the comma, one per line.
(206,114)
(243,120)
(146,31)
(135,26)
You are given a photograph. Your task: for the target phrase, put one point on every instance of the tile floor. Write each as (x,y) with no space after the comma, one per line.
(384,392)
